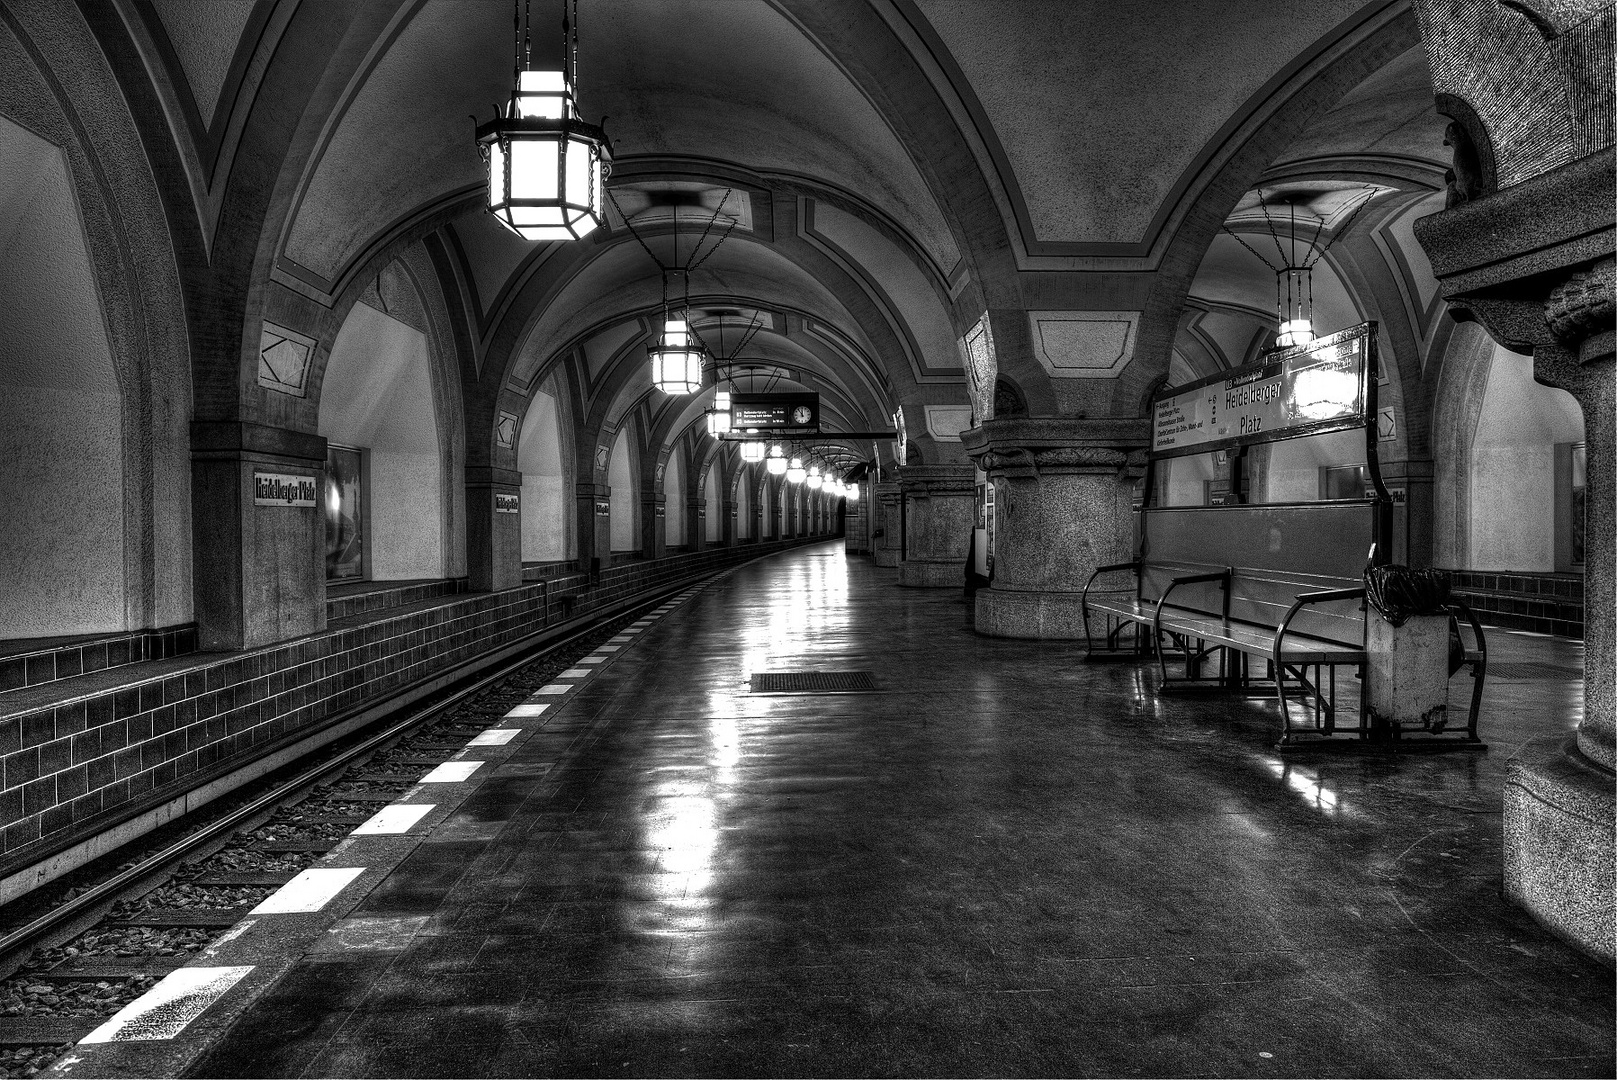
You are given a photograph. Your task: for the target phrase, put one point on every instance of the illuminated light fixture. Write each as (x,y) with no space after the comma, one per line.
(795,473)
(676,364)
(852,494)
(718,417)
(547,169)
(752,451)
(776,462)
(814,479)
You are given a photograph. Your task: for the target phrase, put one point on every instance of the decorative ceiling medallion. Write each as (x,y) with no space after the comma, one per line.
(1084,344)
(283,360)
(945,422)
(505,430)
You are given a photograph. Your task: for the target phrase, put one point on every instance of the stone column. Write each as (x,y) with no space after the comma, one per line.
(885,500)
(1533,263)
(856,541)
(493,528)
(729,534)
(594,524)
(938,513)
(259,533)
(696,524)
(1063,505)
(653,524)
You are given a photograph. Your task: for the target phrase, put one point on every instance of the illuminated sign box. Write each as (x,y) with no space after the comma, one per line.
(772,412)
(1308,390)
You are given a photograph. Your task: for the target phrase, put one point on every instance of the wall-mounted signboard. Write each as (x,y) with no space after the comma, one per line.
(507,504)
(772,412)
(1311,389)
(285,489)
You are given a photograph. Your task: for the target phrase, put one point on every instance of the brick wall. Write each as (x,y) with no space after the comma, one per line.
(93,756)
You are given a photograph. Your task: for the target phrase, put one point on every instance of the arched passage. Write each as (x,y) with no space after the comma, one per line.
(547,509)
(61,424)
(675,493)
(715,505)
(625,497)
(378,417)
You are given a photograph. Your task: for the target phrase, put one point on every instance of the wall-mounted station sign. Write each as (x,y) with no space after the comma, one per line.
(284,489)
(774,412)
(1318,387)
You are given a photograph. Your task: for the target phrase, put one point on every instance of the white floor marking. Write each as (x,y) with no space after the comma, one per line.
(395,819)
(575,673)
(496,736)
(554,688)
(631,631)
(609,648)
(311,890)
(451,772)
(163,1011)
(527,708)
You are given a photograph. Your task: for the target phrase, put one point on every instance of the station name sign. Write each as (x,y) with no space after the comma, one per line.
(1322,386)
(285,489)
(773,412)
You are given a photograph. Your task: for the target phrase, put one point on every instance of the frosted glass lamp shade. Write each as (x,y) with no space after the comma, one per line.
(547,169)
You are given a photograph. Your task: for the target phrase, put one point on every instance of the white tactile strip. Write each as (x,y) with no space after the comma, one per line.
(554,688)
(575,673)
(495,737)
(608,648)
(398,817)
(526,709)
(452,772)
(311,890)
(163,1011)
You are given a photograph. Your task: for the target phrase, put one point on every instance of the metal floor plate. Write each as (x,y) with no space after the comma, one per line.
(813,682)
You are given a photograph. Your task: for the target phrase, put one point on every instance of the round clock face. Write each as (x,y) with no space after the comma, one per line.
(802,415)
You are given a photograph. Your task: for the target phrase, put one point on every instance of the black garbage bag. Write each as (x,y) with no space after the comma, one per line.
(1397,592)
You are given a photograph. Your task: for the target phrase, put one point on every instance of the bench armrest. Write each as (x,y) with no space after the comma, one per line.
(1099,570)
(1220,576)
(1319,596)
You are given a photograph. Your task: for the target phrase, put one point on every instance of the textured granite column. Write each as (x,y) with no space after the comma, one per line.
(888,541)
(594,524)
(653,524)
(696,524)
(727,523)
(1533,263)
(938,515)
(1063,505)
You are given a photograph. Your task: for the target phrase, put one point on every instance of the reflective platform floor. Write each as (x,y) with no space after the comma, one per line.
(1000,861)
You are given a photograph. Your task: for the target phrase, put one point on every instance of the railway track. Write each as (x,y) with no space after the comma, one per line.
(109,932)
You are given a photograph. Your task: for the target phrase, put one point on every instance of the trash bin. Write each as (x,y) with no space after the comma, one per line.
(1407,645)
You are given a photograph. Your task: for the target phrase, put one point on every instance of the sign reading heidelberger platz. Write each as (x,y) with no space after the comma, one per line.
(1322,386)
(285,489)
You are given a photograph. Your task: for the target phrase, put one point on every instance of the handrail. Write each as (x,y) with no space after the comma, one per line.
(1222,577)
(1084,597)
(1320,596)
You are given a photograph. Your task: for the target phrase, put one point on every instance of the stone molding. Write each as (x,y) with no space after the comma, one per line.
(1582,307)
(1028,446)
(922,481)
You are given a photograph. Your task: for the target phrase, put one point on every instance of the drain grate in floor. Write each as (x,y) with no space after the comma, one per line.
(1531,669)
(812,682)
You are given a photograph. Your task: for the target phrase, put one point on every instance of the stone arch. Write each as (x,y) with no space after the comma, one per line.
(623,478)
(546,460)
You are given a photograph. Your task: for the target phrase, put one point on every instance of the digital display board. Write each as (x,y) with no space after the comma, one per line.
(772,412)
(1314,388)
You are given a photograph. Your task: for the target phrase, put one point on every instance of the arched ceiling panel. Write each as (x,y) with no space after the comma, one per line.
(728,82)
(1390,115)
(203,34)
(1063,82)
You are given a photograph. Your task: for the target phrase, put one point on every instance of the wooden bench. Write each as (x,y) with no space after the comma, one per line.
(1226,584)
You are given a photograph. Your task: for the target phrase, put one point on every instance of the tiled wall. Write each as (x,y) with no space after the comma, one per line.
(346,600)
(1547,603)
(82,763)
(51,662)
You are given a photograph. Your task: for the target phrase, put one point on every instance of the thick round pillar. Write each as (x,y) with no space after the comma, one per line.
(1063,505)
(888,540)
(937,514)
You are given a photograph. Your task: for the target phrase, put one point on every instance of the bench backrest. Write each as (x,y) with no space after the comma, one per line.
(1276,552)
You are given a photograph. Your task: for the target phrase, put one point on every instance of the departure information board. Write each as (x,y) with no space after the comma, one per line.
(1321,386)
(771,412)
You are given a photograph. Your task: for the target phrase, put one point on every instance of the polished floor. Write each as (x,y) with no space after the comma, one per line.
(1002,862)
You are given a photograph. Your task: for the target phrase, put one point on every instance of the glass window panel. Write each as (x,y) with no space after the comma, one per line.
(534,165)
(578,171)
(344,502)
(496,174)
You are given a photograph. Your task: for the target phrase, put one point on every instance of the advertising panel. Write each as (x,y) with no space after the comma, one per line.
(1315,388)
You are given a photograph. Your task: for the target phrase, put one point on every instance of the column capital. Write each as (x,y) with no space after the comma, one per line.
(925,480)
(1031,445)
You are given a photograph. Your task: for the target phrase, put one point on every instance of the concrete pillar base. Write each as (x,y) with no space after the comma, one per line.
(926,574)
(1558,823)
(1039,616)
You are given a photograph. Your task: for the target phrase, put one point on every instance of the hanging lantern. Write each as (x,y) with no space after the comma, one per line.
(1294,299)
(814,479)
(752,451)
(676,364)
(718,417)
(852,494)
(547,169)
(776,462)
(795,473)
